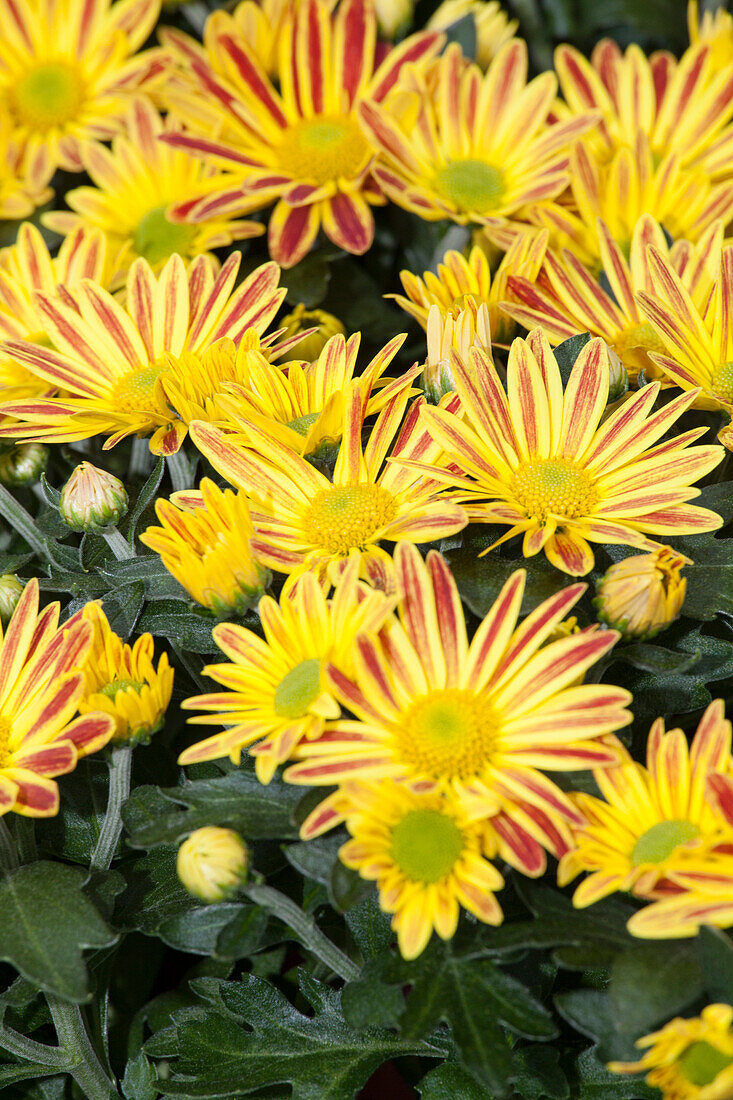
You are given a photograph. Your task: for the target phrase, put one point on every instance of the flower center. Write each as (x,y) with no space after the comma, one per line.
(135,392)
(701,1063)
(298,689)
(347,517)
(111,689)
(658,843)
(722,384)
(472,186)
(156,238)
(48,96)
(324,149)
(448,734)
(303,424)
(426,845)
(554,487)
(641,336)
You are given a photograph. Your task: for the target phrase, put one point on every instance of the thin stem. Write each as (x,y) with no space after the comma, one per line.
(21,521)
(23,1047)
(141,459)
(120,767)
(117,543)
(83,1065)
(305,929)
(8,851)
(180,470)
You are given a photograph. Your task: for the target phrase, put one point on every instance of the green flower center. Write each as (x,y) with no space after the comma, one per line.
(472,186)
(658,843)
(156,238)
(426,845)
(324,149)
(347,517)
(722,384)
(701,1063)
(48,96)
(111,689)
(303,424)
(554,486)
(448,734)
(298,689)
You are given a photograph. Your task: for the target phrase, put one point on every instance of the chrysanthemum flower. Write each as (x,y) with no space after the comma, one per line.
(67,72)
(122,681)
(450,335)
(40,689)
(111,359)
(642,594)
(493,26)
(689,1059)
(134,185)
(695,334)
(302,146)
(481,721)
(303,405)
(540,461)
(305,522)
(460,277)
(23,182)
(651,820)
(315,327)
(206,547)
(427,858)
(715,29)
(565,298)
(455,143)
(260,23)
(279,694)
(27,267)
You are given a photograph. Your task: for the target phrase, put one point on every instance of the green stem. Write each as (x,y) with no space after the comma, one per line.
(120,767)
(180,471)
(141,459)
(21,521)
(117,543)
(305,929)
(8,850)
(83,1063)
(23,1047)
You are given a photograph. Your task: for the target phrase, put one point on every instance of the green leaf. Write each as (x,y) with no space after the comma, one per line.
(539,1076)
(595,1082)
(197,930)
(449,1082)
(243,934)
(590,1012)
(27,1071)
(139,1082)
(463,31)
(72,834)
(180,625)
(480,580)
(651,982)
(154,893)
(47,922)
(567,352)
(370,927)
(321,1056)
(715,952)
(309,280)
(146,496)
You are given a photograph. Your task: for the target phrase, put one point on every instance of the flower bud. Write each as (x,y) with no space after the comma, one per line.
(448,335)
(393,16)
(11,589)
(311,346)
(618,380)
(643,594)
(212,863)
(92,499)
(23,464)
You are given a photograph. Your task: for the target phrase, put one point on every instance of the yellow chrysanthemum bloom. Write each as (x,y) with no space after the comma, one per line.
(27,267)
(212,863)
(302,405)
(427,858)
(455,143)
(460,277)
(67,72)
(643,594)
(122,681)
(205,544)
(304,521)
(479,721)
(543,461)
(312,343)
(451,334)
(40,690)
(565,298)
(260,22)
(23,182)
(689,1059)
(298,145)
(135,183)
(653,820)
(279,694)
(119,365)
(715,29)
(493,26)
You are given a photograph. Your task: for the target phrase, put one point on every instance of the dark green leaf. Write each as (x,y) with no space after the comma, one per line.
(370,927)
(146,496)
(538,1074)
(154,892)
(464,33)
(451,1082)
(715,952)
(243,934)
(595,1082)
(480,580)
(139,1082)
(197,930)
(176,621)
(567,352)
(650,982)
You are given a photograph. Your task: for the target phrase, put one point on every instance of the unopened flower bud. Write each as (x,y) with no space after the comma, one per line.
(618,380)
(92,499)
(311,346)
(212,863)
(393,15)
(643,594)
(448,336)
(11,589)
(23,464)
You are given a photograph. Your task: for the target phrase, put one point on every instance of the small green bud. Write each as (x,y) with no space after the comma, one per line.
(619,379)
(92,499)
(23,464)
(11,589)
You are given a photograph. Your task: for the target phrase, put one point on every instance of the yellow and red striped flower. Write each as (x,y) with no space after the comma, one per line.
(67,71)
(492,25)
(715,29)
(481,721)
(300,146)
(305,522)
(40,690)
(119,364)
(541,461)
(457,143)
(653,820)
(23,181)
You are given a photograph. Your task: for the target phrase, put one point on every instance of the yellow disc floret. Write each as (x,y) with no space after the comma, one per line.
(554,487)
(348,517)
(324,149)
